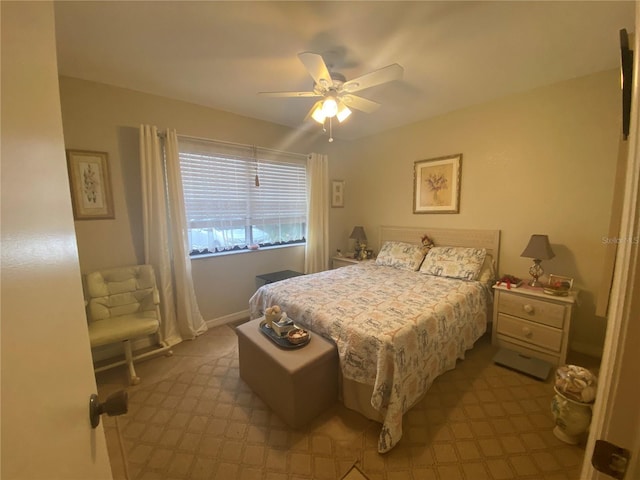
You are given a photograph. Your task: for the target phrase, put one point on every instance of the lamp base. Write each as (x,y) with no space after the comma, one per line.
(358,249)
(536,272)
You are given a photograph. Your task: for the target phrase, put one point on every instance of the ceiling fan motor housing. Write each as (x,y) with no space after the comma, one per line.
(323,87)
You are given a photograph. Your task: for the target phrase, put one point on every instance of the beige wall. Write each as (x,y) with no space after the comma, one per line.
(103,118)
(538,162)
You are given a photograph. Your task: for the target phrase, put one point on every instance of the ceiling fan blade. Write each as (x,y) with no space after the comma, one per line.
(371,79)
(317,68)
(289,94)
(359,103)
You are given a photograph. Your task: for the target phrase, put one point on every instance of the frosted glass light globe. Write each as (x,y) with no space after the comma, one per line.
(330,107)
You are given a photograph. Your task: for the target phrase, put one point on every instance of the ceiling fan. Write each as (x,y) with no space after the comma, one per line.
(336,92)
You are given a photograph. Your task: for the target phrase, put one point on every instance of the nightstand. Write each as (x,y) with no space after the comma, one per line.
(337,262)
(529,321)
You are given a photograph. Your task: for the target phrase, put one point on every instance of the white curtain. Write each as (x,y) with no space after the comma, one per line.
(165,242)
(317,249)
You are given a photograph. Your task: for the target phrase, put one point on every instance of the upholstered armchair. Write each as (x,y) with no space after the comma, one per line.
(123,305)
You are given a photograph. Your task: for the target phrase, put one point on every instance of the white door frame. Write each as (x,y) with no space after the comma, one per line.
(615,416)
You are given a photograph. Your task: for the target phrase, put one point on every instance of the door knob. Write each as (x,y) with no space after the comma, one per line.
(115,404)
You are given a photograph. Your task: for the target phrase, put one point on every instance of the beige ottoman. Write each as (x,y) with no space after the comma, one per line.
(298,384)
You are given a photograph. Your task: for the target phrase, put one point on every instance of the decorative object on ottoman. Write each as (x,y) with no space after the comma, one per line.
(575,389)
(279,340)
(297,336)
(272,314)
(283,326)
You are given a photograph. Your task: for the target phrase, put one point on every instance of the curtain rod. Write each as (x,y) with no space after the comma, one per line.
(234,144)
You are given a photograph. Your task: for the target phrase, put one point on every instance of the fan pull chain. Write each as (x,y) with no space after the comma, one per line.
(330,130)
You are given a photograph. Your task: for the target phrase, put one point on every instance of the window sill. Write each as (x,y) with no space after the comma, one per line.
(243,251)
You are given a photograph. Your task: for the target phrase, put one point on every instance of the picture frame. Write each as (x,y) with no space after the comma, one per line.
(436,184)
(337,194)
(558,285)
(560,281)
(90,185)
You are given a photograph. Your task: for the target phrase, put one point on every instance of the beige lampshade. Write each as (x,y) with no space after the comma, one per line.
(359,235)
(538,248)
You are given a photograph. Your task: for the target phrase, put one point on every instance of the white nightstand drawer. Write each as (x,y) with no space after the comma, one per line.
(548,313)
(530,332)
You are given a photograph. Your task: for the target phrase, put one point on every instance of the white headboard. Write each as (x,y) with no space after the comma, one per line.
(454,237)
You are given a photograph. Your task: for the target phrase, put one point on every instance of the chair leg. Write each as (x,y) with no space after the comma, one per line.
(133,378)
(168,352)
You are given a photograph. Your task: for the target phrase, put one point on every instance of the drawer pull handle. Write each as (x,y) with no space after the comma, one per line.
(526,331)
(528,308)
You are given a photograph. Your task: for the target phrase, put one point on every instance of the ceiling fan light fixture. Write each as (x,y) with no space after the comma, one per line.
(343,112)
(318,114)
(335,92)
(330,107)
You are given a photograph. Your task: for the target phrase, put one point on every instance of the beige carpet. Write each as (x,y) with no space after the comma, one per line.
(355,473)
(480,421)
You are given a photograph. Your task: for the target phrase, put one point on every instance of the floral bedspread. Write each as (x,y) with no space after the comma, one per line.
(394,329)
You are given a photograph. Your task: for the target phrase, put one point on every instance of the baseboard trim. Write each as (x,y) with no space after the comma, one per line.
(232,317)
(113,350)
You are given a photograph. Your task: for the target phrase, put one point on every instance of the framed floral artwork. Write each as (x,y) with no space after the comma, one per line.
(337,193)
(436,186)
(90,185)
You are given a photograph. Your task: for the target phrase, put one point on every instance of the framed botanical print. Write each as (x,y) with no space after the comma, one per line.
(436,186)
(337,193)
(90,185)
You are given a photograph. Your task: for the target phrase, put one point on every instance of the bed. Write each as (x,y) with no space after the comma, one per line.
(398,321)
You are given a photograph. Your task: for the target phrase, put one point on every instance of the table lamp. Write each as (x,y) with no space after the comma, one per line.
(361,241)
(539,249)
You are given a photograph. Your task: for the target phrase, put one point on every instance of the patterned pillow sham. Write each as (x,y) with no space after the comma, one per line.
(455,262)
(401,255)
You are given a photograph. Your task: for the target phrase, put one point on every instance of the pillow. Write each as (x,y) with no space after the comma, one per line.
(454,262)
(401,255)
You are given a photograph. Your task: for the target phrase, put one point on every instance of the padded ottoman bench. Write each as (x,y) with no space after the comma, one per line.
(298,384)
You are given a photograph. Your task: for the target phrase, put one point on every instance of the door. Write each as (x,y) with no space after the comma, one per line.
(616,416)
(47,374)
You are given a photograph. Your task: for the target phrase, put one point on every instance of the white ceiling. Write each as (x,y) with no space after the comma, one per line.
(455,54)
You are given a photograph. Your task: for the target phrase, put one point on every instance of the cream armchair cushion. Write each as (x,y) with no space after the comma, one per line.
(117,329)
(123,304)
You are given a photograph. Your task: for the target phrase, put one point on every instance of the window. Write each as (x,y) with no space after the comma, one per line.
(225,208)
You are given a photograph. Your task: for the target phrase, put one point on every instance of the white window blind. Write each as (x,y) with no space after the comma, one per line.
(226,210)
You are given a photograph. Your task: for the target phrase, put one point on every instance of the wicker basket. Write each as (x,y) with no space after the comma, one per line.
(297,336)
